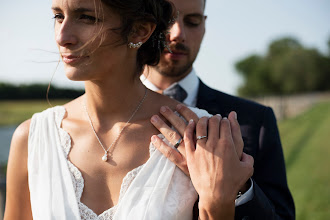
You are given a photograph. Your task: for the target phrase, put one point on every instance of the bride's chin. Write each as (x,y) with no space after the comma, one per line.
(76,76)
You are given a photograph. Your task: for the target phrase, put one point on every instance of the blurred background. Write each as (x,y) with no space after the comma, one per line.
(274,52)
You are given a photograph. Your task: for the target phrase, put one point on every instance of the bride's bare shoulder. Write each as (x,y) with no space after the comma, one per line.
(21,134)
(158,100)
(17,180)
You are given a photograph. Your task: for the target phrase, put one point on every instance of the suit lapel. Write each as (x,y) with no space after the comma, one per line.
(215,102)
(206,99)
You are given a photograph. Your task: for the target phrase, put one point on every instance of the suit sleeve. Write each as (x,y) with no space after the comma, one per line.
(272,198)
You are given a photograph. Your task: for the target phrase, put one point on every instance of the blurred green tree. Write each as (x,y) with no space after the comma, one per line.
(287,68)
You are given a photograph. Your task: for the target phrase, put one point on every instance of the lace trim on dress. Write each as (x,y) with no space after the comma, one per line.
(78,180)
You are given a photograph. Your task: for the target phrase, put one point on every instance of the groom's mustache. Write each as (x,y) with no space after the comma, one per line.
(179,47)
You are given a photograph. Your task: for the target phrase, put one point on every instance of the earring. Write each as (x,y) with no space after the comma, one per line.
(133,45)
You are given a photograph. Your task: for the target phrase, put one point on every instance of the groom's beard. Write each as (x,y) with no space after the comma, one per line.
(175,68)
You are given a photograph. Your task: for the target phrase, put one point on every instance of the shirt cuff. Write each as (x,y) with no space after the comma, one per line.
(247,196)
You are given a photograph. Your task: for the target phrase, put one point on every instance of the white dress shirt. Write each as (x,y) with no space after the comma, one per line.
(191,85)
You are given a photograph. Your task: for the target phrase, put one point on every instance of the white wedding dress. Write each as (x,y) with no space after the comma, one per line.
(154,190)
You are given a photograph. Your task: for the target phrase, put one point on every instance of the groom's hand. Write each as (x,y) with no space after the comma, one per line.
(177,156)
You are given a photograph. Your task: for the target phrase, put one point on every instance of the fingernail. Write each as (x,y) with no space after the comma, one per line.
(235,115)
(225,118)
(153,139)
(191,121)
(179,106)
(163,109)
(218,115)
(154,118)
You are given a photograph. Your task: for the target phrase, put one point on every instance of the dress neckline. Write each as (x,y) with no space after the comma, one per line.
(78,180)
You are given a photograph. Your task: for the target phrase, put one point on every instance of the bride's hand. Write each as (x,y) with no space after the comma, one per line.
(216,171)
(178,157)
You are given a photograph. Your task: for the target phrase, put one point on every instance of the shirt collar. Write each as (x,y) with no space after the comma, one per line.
(148,84)
(190,84)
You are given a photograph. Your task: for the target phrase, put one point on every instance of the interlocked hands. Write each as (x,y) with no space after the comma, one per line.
(217,165)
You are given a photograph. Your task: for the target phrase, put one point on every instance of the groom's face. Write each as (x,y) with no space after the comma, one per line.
(184,39)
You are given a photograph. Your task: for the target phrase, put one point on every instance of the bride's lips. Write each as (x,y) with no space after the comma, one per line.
(72,59)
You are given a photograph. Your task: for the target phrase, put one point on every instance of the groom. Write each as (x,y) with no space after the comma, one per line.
(269,196)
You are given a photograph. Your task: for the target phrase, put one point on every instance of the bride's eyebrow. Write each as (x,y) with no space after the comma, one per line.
(75,10)
(56,9)
(84,10)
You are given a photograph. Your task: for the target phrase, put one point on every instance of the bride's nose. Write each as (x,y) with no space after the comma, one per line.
(65,34)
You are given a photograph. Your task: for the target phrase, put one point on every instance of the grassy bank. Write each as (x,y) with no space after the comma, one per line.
(306,143)
(15,112)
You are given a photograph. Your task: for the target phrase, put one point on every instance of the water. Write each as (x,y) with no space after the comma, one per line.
(6,133)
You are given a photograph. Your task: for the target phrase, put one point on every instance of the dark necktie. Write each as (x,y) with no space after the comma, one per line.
(176,92)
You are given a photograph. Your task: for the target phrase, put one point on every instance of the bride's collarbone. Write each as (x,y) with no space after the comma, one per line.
(130,151)
(123,155)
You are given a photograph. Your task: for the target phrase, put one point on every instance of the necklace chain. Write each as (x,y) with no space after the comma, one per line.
(105,156)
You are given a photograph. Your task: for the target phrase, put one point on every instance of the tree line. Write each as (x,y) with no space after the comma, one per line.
(287,68)
(10,91)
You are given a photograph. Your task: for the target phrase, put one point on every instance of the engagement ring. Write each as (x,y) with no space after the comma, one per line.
(201,137)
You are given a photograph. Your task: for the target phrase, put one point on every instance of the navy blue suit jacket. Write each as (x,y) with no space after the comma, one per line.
(272,198)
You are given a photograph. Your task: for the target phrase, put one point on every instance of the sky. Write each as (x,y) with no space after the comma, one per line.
(234,30)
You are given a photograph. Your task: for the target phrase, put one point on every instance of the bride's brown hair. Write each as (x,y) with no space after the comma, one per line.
(160,12)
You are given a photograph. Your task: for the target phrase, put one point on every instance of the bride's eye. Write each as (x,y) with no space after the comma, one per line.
(58,17)
(88,19)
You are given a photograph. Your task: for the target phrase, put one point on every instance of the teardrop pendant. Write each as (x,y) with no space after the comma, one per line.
(105,157)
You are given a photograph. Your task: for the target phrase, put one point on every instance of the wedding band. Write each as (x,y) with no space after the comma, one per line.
(178,143)
(201,137)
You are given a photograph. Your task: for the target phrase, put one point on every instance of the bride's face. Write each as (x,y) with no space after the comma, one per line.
(83,33)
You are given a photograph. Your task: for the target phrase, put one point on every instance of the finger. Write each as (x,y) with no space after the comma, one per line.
(178,123)
(248,159)
(226,138)
(225,129)
(173,155)
(201,130)
(236,133)
(186,113)
(213,128)
(189,139)
(248,163)
(172,136)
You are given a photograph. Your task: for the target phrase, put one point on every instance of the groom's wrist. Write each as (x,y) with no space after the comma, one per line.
(219,210)
(245,187)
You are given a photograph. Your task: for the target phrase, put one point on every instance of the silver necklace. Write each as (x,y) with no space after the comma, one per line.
(105,156)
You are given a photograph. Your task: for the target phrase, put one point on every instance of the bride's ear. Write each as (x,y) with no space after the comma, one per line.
(141,32)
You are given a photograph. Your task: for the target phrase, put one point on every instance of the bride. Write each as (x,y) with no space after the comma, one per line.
(92,157)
